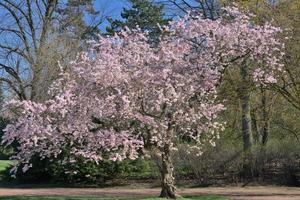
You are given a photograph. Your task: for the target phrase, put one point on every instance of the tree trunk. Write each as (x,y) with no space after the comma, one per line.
(264,132)
(246,122)
(167,176)
(255,127)
(266,120)
(246,115)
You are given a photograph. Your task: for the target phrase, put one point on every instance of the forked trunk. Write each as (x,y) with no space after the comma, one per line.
(167,176)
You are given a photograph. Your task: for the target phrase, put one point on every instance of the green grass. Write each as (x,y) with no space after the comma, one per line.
(94,198)
(4,164)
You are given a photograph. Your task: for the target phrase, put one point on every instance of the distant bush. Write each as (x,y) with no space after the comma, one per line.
(279,162)
(214,164)
(276,163)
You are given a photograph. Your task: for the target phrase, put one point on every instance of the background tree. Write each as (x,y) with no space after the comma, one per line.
(145,14)
(34,37)
(277,11)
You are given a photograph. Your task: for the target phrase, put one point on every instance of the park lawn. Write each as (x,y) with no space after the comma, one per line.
(4,164)
(119,198)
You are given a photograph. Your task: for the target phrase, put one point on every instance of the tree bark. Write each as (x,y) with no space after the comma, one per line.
(266,120)
(255,127)
(167,174)
(246,121)
(246,115)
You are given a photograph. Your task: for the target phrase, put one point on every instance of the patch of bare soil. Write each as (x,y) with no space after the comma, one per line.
(234,193)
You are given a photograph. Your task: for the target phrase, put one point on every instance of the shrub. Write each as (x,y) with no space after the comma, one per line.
(81,171)
(276,163)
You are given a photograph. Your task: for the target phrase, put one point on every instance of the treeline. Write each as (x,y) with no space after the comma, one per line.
(261,138)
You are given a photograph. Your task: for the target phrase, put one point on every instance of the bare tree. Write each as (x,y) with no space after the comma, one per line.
(34,36)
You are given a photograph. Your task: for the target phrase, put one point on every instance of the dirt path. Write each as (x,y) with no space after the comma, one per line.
(234,193)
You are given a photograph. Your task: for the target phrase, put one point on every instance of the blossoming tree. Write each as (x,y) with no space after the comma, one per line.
(124,87)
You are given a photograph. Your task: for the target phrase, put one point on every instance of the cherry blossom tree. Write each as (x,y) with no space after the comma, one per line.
(124,87)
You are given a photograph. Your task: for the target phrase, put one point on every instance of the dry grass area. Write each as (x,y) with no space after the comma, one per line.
(235,193)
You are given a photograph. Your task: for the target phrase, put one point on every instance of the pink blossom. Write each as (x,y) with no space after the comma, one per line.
(123,87)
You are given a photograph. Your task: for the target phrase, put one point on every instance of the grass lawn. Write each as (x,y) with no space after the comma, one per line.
(4,164)
(94,198)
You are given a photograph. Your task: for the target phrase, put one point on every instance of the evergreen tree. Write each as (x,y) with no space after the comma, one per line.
(143,13)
